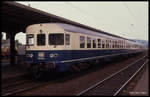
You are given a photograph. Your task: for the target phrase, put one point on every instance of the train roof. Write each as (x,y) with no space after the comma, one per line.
(73,28)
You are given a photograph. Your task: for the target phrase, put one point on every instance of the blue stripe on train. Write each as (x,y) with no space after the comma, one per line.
(64,55)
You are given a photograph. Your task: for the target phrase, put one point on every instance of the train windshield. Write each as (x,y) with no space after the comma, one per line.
(40,39)
(56,39)
(30,39)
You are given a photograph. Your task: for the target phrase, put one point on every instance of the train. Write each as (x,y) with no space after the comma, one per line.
(59,47)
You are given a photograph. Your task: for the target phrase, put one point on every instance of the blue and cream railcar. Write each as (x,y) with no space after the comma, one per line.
(58,45)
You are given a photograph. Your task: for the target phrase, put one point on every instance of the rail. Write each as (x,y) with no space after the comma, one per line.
(111,76)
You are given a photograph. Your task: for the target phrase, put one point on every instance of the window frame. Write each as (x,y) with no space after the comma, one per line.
(89,38)
(103,43)
(27,40)
(107,43)
(94,42)
(66,39)
(82,45)
(98,43)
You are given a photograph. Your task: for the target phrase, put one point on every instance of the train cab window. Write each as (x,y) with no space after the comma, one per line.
(88,42)
(56,39)
(99,43)
(94,43)
(67,39)
(30,40)
(40,39)
(82,42)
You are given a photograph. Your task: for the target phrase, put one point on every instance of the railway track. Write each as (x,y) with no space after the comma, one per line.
(113,84)
(15,83)
(23,86)
(17,87)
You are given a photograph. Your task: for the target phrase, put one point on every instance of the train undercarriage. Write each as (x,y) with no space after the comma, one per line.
(38,70)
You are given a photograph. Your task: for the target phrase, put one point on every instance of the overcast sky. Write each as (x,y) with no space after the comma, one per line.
(126,19)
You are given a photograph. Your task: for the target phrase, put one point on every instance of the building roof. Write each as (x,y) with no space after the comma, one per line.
(16,17)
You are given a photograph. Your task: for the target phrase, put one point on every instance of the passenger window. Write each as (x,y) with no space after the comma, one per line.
(110,44)
(113,44)
(67,39)
(99,43)
(40,39)
(94,43)
(107,43)
(121,44)
(30,39)
(88,42)
(82,42)
(103,44)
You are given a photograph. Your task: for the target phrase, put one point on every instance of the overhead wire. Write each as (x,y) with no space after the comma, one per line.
(94,17)
(83,12)
(133,17)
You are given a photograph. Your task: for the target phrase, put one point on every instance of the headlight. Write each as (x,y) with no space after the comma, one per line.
(29,55)
(53,55)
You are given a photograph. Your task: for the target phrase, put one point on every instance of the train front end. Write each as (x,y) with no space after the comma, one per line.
(44,49)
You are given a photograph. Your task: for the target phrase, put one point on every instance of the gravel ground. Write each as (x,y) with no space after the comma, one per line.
(138,86)
(77,84)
